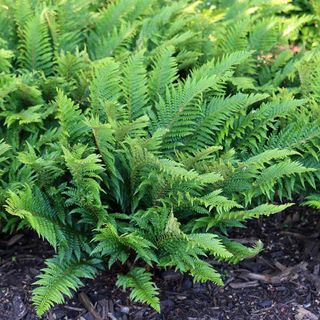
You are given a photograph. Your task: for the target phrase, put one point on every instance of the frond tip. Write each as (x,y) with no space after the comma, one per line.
(59,279)
(143,289)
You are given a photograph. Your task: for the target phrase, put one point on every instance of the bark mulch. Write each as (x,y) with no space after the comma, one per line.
(282,283)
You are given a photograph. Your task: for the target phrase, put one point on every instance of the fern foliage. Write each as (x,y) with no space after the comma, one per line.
(59,279)
(138,132)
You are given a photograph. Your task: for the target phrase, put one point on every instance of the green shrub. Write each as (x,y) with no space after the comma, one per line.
(138,133)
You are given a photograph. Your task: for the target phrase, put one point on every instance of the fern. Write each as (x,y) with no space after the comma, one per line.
(59,279)
(140,132)
(118,247)
(35,46)
(70,119)
(39,215)
(143,289)
(313,201)
(33,206)
(135,86)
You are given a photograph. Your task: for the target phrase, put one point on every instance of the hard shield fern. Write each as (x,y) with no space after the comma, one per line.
(141,137)
(137,187)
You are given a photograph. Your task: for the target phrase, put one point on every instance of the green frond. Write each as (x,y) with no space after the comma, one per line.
(105,141)
(218,117)
(36,51)
(143,289)
(119,247)
(112,15)
(199,156)
(265,35)
(4,148)
(22,11)
(219,66)
(224,218)
(292,25)
(313,201)
(85,194)
(203,272)
(269,177)
(241,252)
(69,34)
(180,110)
(34,207)
(268,155)
(38,213)
(164,73)
(105,86)
(5,60)
(217,201)
(71,65)
(28,116)
(60,279)
(72,122)
(135,86)
(210,243)
(46,167)
(112,43)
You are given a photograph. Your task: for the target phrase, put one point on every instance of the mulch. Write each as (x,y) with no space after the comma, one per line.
(283,282)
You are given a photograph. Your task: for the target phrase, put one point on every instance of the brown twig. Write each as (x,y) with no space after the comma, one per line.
(285,274)
(84,299)
(241,285)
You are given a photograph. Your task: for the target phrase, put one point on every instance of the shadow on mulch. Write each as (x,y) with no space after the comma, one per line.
(283,282)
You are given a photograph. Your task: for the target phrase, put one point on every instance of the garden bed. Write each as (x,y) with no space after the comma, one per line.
(283,282)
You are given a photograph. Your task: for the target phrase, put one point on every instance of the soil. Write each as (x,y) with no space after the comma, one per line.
(283,282)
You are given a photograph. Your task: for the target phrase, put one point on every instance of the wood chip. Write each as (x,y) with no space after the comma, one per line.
(84,299)
(241,285)
(287,273)
(74,308)
(107,308)
(14,239)
(304,314)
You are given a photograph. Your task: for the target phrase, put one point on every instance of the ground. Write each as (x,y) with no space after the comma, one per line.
(283,282)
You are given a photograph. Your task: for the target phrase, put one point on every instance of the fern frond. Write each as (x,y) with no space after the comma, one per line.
(313,201)
(38,213)
(219,116)
(268,155)
(85,173)
(105,141)
(203,272)
(5,60)
(36,51)
(33,206)
(163,74)
(210,243)
(232,216)
(119,247)
(105,86)
(241,252)
(226,63)
(143,289)
(72,123)
(4,148)
(135,86)
(268,178)
(60,279)
(110,43)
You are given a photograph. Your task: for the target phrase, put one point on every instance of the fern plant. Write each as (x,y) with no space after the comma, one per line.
(149,179)
(50,45)
(138,133)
